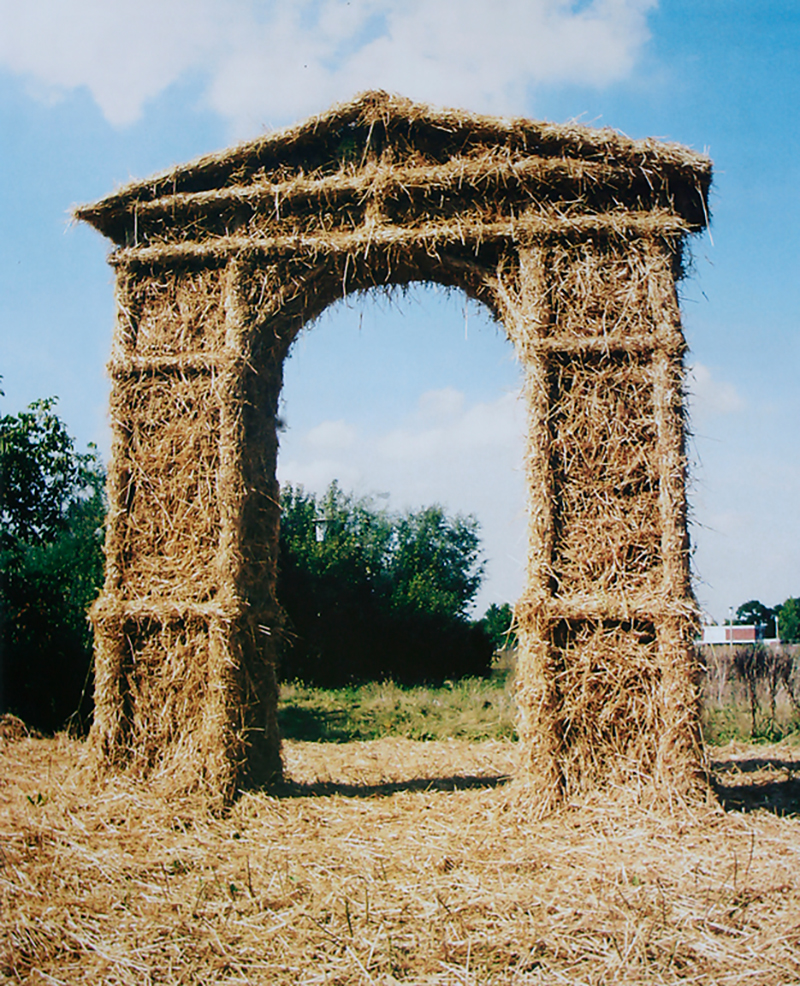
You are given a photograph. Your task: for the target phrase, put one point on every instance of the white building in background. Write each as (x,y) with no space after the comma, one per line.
(731,634)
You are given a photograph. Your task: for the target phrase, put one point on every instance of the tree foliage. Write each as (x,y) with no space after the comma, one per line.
(499,624)
(789,620)
(39,475)
(371,595)
(755,613)
(782,620)
(52,511)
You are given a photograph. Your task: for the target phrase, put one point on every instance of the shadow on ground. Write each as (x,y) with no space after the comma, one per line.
(776,789)
(781,797)
(313,725)
(757,783)
(322,789)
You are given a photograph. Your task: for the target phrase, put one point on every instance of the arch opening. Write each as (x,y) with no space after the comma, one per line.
(415,398)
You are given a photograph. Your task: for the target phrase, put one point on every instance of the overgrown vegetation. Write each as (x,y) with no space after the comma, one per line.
(473,709)
(52,510)
(371,595)
(751,692)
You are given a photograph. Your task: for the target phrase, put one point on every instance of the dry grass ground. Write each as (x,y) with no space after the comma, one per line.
(388,861)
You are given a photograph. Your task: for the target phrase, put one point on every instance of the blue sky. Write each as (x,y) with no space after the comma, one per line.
(416,397)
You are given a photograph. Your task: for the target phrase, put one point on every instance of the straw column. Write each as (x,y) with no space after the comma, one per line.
(680,762)
(249,538)
(526,315)
(185,685)
(605,677)
(108,743)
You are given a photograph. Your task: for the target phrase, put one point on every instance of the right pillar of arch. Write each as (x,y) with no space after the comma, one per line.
(606,679)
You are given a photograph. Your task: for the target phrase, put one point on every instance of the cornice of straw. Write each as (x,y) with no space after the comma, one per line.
(486,172)
(525,229)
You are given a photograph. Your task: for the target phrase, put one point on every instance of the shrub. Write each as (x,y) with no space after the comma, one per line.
(52,510)
(371,595)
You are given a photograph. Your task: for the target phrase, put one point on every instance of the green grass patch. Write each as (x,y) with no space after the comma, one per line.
(470,709)
(727,723)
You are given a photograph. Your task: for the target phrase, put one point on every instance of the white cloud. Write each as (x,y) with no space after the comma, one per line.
(443,403)
(708,396)
(467,457)
(268,62)
(125,52)
(331,436)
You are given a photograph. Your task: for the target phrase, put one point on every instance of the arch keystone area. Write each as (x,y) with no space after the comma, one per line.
(573,238)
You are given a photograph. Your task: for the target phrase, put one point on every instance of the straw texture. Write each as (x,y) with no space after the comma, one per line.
(573,238)
(395,861)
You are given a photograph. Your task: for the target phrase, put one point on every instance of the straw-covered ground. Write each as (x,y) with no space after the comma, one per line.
(394,860)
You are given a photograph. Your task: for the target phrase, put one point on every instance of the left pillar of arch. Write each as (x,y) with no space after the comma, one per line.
(187,624)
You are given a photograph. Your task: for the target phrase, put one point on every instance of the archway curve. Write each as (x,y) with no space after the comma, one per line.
(573,238)
(413,396)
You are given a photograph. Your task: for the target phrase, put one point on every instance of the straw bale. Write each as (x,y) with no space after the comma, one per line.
(177,312)
(573,239)
(608,683)
(167,683)
(175,707)
(604,289)
(605,703)
(172,523)
(607,532)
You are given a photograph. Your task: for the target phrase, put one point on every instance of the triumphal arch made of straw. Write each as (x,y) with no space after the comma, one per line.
(573,238)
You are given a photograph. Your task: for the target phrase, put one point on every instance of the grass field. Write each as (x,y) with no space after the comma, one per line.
(395,860)
(469,709)
(482,709)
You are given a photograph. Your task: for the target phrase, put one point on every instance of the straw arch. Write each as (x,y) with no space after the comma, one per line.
(573,239)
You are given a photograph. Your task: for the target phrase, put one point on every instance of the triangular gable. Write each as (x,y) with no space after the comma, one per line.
(387,147)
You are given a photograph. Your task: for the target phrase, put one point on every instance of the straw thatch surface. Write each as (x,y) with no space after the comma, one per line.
(573,238)
(387,862)
(386,147)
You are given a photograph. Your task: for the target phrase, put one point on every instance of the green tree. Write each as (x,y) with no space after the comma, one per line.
(52,510)
(789,620)
(755,613)
(337,536)
(39,474)
(434,563)
(372,595)
(499,624)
